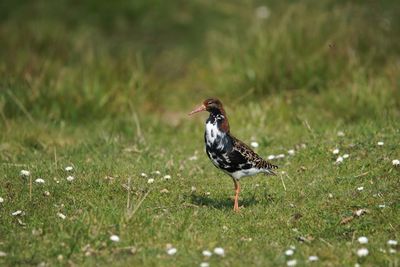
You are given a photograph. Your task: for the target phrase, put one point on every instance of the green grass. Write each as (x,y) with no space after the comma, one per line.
(106,88)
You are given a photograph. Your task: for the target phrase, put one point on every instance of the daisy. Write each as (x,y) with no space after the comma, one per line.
(62,216)
(25,173)
(114,238)
(207,253)
(172,251)
(363,240)
(69,168)
(254,144)
(39,181)
(362,252)
(289,252)
(339,160)
(219,251)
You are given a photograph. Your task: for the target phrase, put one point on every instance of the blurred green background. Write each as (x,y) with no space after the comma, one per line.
(84,60)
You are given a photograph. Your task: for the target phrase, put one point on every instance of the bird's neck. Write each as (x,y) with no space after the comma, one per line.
(219,118)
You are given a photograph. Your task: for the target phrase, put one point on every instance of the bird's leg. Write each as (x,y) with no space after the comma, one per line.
(237,190)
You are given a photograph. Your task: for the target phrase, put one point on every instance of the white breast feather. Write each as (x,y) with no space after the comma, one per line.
(212,132)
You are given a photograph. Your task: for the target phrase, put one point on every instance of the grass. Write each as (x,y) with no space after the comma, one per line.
(94,88)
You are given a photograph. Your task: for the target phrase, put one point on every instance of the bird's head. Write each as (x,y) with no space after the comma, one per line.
(212,105)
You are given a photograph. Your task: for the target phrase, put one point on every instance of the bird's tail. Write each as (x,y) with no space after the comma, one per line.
(270,170)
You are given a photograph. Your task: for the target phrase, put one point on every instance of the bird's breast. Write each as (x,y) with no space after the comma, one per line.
(212,133)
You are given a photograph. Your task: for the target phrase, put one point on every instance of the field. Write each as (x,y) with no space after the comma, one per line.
(105,88)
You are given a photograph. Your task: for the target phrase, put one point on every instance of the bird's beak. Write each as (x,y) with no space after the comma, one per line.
(199,109)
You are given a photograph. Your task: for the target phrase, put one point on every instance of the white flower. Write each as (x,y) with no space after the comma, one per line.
(46,193)
(280,156)
(340,133)
(254,144)
(382,206)
(69,168)
(291,152)
(313,258)
(360,212)
(335,151)
(291,263)
(361,188)
(62,216)
(167,177)
(143,174)
(171,251)
(392,242)
(70,178)
(330,195)
(396,162)
(392,251)
(207,253)
(292,246)
(16,213)
(192,158)
(39,181)
(157,172)
(339,160)
(25,173)
(271,157)
(204,264)
(357,265)
(345,156)
(219,251)
(150,181)
(1,200)
(380,143)
(289,252)
(262,12)
(193,189)
(362,252)
(363,240)
(114,238)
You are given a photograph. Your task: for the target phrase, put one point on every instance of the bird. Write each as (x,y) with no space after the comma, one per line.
(225,151)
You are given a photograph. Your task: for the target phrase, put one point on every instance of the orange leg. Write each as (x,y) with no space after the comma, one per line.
(237,190)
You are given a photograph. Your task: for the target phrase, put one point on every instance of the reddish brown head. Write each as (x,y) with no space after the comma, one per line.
(214,106)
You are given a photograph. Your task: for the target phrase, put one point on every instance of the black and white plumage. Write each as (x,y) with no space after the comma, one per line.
(225,151)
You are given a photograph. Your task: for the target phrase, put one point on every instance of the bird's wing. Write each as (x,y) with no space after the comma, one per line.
(243,153)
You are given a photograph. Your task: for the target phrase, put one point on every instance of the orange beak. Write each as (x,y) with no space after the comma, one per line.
(199,109)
